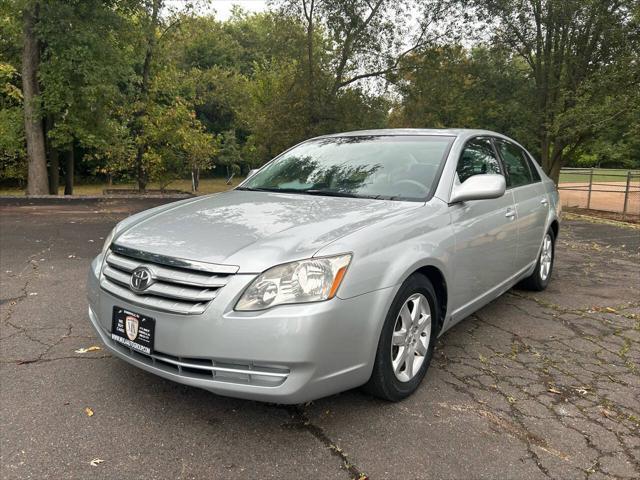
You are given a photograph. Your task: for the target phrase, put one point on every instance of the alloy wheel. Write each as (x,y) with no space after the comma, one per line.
(411,336)
(546,257)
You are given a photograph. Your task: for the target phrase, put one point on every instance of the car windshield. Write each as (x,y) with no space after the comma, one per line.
(383,167)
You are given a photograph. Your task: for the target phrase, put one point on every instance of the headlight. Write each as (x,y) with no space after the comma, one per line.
(107,241)
(311,280)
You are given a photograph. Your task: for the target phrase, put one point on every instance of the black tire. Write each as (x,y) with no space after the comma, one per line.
(383,382)
(535,282)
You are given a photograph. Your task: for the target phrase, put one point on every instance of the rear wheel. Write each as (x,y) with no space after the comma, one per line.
(540,277)
(406,343)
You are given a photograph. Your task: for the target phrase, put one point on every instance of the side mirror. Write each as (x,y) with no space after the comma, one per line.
(479,187)
(252,172)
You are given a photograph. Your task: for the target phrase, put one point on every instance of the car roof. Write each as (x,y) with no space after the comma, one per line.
(415,131)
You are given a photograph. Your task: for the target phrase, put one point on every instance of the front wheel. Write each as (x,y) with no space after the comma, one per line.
(406,343)
(540,277)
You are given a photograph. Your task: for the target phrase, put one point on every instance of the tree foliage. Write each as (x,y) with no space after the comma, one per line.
(131,90)
(582,56)
(12,142)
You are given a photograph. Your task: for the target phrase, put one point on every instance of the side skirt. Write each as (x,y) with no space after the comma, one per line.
(479,302)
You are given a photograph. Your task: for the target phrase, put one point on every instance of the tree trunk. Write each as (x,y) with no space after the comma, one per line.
(54,160)
(311,95)
(141,172)
(554,174)
(54,171)
(144,92)
(34,132)
(195,178)
(68,178)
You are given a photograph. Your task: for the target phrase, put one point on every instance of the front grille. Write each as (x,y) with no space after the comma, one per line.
(209,369)
(176,289)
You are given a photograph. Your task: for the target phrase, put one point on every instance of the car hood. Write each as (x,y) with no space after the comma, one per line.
(254,230)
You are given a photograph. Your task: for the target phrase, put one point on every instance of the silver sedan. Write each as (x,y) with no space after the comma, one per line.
(336,265)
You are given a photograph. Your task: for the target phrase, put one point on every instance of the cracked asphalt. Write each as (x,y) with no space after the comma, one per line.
(533,386)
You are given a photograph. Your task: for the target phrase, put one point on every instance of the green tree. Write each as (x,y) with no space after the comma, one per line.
(37,183)
(578,52)
(453,87)
(12,146)
(81,68)
(175,143)
(348,42)
(230,154)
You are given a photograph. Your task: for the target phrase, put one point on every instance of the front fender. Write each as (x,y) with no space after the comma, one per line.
(386,254)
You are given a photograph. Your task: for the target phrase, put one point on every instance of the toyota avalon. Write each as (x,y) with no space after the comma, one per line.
(336,265)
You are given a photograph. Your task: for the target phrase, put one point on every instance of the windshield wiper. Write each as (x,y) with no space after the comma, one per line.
(299,190)
(318,192)
(276,190)
(332,193)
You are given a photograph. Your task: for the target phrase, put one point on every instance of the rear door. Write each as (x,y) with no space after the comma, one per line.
(530,200)
(485,230)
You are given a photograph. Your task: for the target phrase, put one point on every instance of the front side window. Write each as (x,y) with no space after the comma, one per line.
(515,163)
(478,158)
(382,167)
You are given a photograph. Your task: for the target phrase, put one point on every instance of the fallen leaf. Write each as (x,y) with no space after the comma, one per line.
(92,348)
(96,461)
(611,310)
(607,413)
(88,411)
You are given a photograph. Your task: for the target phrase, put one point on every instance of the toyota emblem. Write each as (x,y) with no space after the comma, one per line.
(141,279)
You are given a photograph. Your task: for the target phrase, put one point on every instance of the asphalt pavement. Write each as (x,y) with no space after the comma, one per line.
(533,386)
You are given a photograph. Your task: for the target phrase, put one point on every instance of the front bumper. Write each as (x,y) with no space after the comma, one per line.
(288,354)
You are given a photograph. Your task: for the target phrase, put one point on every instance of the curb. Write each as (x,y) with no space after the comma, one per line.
(606,221)
(70,199)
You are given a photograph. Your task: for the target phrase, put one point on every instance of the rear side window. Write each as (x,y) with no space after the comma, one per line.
(515,163)
(532,167)
(478,157)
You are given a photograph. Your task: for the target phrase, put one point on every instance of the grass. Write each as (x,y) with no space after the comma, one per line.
(599,175)
(207,185)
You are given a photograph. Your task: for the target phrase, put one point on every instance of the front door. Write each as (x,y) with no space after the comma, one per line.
(486,233)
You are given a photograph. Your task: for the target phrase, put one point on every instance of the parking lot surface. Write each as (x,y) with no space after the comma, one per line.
(533,386)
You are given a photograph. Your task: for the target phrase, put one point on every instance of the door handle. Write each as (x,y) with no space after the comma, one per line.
(511,213)
(544,201)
